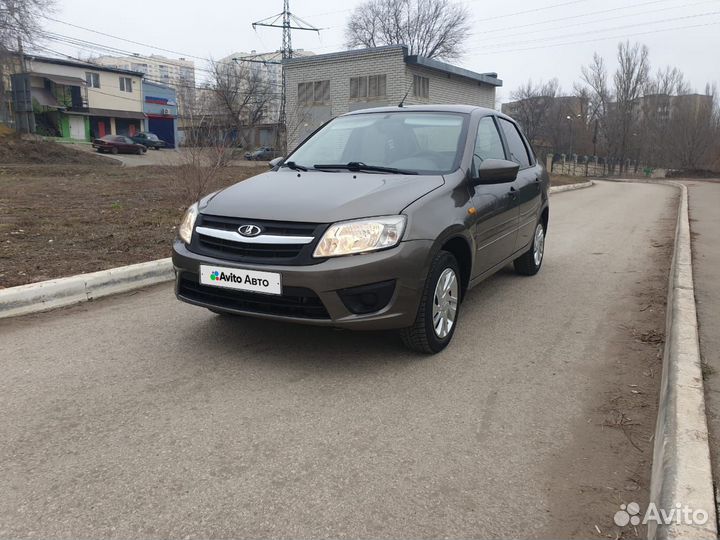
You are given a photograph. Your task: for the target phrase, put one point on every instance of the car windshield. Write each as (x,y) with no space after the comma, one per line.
(422,142)
(151,136)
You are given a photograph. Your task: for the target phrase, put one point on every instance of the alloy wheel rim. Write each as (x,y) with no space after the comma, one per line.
(445,303)
(539,245)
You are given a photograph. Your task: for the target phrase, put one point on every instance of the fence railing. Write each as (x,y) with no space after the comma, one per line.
(595,166)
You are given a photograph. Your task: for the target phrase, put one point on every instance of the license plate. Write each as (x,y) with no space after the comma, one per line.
(240,279)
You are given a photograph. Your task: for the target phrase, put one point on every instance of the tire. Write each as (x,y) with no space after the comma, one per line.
(422,336)
(114,150)
(529,263)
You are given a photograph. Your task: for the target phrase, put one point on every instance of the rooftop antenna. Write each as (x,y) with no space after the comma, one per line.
(402,101)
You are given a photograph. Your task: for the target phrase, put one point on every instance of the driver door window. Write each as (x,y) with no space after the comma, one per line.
(488,144)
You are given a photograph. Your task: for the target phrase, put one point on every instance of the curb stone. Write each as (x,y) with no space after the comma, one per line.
(55,293)
(62,292)
(571,187)
(681,469)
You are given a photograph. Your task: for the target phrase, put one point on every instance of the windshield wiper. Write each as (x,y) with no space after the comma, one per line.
(294,166)
(357,166)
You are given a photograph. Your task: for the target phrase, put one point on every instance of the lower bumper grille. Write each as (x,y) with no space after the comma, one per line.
(294,302)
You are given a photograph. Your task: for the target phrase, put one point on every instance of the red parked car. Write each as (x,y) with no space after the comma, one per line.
(118,144)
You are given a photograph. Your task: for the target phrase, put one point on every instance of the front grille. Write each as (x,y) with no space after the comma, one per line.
(294,301)
(257,253)
(240,250)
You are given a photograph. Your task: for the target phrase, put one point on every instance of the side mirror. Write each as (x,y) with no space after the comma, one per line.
(496,171)
(275,162)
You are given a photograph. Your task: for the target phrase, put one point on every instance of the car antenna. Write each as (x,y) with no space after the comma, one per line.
(402,101)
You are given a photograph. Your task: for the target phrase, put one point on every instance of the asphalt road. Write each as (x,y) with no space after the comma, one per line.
(165,157)
(139,416)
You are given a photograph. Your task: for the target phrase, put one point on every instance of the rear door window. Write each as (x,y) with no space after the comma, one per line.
(518,151)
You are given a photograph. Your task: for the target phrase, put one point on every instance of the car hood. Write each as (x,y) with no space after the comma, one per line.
(319,197)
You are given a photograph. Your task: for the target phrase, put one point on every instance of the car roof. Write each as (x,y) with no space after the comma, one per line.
(465,109)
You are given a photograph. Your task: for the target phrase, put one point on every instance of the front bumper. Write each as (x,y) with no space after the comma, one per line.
(406,264)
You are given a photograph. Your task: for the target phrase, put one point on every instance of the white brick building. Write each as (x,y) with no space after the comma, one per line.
(323,86)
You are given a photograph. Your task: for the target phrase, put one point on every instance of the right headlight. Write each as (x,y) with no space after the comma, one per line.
(360,236)
(188,222)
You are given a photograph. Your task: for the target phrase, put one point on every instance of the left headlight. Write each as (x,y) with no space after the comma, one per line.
(360,236)
(188,222)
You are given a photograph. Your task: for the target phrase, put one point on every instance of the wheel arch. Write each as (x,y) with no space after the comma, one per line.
(461,249)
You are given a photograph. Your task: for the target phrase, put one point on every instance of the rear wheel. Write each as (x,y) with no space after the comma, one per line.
(529,263)
(439,309)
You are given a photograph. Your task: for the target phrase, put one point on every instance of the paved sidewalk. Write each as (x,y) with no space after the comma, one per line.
(704,201)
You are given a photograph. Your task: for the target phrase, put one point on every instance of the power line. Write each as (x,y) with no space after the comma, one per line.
(621,36)
(546,38)
(289,22)
(525,11)
(589,14)
(91,66)
(187,55)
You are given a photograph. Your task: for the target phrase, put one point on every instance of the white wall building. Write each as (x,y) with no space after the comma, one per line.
(323,86)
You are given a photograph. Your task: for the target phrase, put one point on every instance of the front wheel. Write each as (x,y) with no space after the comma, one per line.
(439,308)
(529,263)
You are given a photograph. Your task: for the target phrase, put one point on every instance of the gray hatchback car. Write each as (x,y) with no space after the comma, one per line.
(383,218)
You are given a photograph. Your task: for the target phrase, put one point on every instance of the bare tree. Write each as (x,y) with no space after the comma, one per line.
(430,28)
(695,126)
(242,96)
(19,24)
(615,106)
(532,106)
(205,151)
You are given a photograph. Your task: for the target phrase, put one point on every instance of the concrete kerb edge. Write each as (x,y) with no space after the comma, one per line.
(571,187)
(55,293)
(681,469)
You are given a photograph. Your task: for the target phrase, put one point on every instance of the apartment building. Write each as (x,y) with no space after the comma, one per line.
(323,86)
(176,73)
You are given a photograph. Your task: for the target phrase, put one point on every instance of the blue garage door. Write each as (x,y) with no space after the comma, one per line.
(163,128)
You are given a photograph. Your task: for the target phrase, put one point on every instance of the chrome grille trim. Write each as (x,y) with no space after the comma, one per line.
(234,236)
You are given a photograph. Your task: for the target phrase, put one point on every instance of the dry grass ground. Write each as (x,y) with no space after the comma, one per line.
(64,219)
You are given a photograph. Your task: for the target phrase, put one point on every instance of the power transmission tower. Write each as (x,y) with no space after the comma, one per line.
(288,22)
